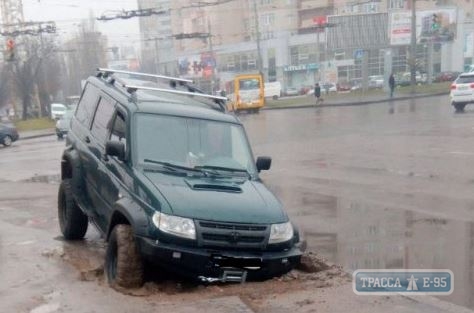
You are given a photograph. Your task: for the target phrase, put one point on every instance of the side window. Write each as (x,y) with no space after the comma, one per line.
(102,118)
(119,129)
(86,107)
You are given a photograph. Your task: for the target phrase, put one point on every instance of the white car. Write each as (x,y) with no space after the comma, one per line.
(462,91)
(57,110)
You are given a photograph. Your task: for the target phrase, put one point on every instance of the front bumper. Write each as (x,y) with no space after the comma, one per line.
(213,264)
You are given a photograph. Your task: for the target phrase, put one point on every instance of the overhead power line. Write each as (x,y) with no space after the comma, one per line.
(131,13)
(29,28)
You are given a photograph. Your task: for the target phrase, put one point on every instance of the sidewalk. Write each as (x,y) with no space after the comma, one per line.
(30,134)
(343,100)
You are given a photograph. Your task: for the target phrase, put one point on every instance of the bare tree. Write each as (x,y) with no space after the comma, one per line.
(26,70)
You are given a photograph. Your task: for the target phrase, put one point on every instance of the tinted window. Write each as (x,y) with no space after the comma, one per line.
(465,80)
(102,118)
(119,129)
(86,108)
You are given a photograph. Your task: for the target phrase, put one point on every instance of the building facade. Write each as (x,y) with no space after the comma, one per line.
(296,42)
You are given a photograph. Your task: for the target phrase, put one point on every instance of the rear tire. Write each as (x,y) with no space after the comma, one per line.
(72,221)
(7,141)
(275,97)
(123,262)
(459,107)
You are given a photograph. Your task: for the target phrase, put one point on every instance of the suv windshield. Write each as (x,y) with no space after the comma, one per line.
(192,143)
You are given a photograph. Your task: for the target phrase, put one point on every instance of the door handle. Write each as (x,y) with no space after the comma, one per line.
(87,139)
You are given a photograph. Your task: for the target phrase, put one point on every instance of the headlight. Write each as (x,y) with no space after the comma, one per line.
(175,225)
(281,232)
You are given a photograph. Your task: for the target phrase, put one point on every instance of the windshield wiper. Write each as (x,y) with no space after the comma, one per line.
(173,167)
(222,168)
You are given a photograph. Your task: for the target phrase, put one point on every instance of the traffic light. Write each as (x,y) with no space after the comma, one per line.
(435,21)
(10,50)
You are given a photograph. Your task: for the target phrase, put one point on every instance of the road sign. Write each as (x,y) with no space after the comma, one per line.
(358,54)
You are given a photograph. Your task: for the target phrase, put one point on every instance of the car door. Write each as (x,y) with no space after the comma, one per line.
(97,171)
(120,179)
(79,139)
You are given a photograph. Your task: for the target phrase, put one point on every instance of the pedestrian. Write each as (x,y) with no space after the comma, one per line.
(317,93)
(391,84)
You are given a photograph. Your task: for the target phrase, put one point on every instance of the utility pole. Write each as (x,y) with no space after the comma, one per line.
(211,50)
(257,31)
(413,47)
(157,60)
(12,18)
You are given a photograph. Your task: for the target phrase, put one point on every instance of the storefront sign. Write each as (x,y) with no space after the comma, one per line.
(301,67)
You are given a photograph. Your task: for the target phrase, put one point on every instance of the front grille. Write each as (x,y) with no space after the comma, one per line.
(232,235)
(229,238)
(233,226)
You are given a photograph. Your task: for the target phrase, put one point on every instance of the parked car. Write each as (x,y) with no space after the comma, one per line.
(169,179)
(63,123)
(343,86)
(291,91)
(57,110)
(462,91)
(376,81)
(447,76)
(8,134)
(272,90)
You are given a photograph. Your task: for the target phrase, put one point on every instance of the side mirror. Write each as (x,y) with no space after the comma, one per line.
(263,163)
(115,148)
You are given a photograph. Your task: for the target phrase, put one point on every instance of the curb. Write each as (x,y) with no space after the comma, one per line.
(36,135)
(303,106)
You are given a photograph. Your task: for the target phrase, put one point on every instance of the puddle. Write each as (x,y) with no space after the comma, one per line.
(359,235)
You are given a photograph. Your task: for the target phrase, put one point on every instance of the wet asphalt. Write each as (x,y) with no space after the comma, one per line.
(386,185)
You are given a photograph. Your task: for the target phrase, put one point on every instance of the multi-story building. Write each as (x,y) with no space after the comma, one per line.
(156,38)
(288,40)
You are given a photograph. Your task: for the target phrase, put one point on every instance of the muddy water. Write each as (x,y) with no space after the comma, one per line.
(378,187)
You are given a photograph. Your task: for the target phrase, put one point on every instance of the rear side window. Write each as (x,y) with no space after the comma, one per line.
(102,117)
(465,80)
(86,108)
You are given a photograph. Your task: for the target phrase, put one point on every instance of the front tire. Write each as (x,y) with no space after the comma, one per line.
(7,141)
(459,107)
(72,221)
(123,262)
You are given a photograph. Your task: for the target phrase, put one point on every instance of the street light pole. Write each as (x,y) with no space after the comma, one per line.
(257,30)
(413,47)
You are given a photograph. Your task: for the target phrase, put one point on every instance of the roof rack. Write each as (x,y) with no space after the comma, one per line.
(108,71)
(131,89)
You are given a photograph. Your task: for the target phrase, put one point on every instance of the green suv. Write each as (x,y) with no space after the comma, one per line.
(168,178)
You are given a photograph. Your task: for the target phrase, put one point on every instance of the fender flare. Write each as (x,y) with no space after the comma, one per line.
(72,171)
(134,213)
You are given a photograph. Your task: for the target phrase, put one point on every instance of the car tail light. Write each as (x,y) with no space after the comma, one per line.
(471,85)
(453,86)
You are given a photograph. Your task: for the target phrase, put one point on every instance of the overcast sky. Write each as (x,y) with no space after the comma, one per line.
(68,13)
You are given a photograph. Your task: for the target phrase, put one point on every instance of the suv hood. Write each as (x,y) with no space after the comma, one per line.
(214,199)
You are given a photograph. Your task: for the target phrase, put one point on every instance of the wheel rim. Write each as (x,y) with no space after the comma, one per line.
(7,141)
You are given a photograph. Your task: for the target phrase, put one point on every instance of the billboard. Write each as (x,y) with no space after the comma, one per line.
(400,28)
(197,66)
(437,25)
(369,31)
